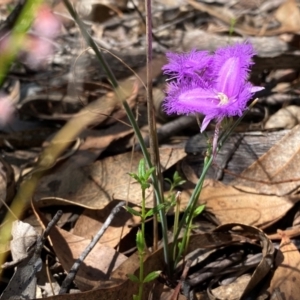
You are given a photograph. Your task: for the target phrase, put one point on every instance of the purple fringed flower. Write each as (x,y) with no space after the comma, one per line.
(187,66)
(214,85)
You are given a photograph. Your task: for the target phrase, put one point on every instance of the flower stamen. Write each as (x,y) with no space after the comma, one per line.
(223,98)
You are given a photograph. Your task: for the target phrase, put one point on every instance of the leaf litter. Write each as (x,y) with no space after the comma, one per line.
(230,261)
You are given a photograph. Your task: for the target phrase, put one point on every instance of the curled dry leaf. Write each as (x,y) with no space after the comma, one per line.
(266,263)
(285,281)
(287,117)
(240,151)
(23,283)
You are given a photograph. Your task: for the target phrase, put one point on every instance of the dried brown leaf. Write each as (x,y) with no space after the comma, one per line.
(286,117)
(90,221)
(120,287)
(268,251)
(288,15)
(230,291)
(285,281)
(276,172)
(241,204)
(97,185)
(98,265)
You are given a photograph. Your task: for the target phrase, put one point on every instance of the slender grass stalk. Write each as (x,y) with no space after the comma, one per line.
(176,222)
(141,253)
(188,213)
(132,120)
(153,141)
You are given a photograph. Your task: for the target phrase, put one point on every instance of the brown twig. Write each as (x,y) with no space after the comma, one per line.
(182,278)
(73,271)
(154,153)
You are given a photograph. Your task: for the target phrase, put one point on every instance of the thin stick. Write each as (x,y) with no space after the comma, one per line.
(73,271)
(153,143)
(52,223)
(182,279)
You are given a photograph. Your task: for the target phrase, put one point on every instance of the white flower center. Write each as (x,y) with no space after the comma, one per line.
(223,98)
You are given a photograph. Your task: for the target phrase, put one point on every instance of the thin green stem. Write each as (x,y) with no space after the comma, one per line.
(141,254)
(143,213)
(176,222)
(188,213)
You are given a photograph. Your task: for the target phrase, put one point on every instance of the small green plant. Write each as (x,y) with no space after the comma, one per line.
(142,177)
(212,84)
(182,246)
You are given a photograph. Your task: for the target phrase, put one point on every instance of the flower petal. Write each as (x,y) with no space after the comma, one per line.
(231,66)
(205,123)
(255,89)
(182,65)
(198,98)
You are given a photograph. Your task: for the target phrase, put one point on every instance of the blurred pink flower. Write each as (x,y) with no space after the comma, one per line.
(36,46)
(36,51)
(39,45)
(46,24)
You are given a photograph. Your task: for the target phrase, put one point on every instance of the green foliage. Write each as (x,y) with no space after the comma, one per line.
(133,211)
(155,210)
(151,276)
(142,177)
(140,242)
(177,181)
(133,278)
(198,210)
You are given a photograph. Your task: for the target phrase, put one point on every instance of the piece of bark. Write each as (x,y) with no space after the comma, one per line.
(238,152)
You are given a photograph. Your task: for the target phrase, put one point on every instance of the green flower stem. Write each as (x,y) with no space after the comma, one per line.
(132,120)
(141,254)
(188,213)
(176,222)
